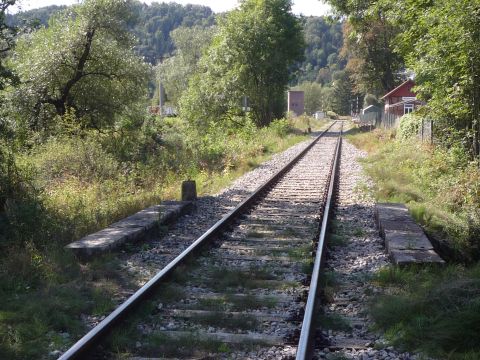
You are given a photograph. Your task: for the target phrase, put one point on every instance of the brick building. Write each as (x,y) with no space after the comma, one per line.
(296,102)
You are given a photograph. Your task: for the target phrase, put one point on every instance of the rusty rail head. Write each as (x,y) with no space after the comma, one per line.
(305,343)
(95,335)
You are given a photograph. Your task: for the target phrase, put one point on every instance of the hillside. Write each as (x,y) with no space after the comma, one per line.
(153,23)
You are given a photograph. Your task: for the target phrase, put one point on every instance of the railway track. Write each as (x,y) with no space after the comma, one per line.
(251,293)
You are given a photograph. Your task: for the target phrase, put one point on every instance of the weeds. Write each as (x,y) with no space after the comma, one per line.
(436,310)
(226,321)
(441,187)
(334,322)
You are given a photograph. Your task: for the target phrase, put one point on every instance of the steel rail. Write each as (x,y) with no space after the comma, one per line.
(305,348)
(95,334)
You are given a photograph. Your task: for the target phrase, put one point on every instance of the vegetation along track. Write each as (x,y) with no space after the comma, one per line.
(244,296)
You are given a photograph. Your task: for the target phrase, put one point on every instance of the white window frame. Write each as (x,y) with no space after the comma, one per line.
(408,108)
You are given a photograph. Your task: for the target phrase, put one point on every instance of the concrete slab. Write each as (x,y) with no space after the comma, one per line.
(130,229)
(405,241)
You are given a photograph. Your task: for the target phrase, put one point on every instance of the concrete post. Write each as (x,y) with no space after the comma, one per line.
(189,190)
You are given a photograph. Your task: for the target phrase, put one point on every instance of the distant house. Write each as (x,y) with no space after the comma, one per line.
(296,102)
(401,100)
(319,115)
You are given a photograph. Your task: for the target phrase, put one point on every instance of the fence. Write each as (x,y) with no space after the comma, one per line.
(425,133)
(379,120)
(392,121)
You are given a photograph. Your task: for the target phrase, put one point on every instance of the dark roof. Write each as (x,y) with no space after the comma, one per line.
(398,87)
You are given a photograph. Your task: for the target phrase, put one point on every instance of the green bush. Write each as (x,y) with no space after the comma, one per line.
(332,115)
(409,126)
(281,127)
(83,158)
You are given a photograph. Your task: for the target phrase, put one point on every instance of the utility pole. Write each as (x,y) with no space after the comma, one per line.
(161,96)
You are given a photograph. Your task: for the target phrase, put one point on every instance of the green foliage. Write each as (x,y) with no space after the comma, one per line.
(151,24)
(431,309)
(323,40)
(7,36)
(83,60)
(342,93)
(440,46)
(175,72)
(281,127)
(250,56)
(369,44)
(440,186)
(155,23)
(437,41)
(409,126)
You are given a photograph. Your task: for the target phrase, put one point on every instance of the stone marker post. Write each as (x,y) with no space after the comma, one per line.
(189,190)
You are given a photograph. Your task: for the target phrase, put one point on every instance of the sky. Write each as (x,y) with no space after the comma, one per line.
(305,7)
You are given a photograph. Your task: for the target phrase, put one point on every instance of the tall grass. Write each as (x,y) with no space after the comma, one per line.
(434,310)
(440,186)
(76,182)
(431,309)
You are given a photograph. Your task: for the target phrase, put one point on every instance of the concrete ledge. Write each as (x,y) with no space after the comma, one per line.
(405,241)
(133,228)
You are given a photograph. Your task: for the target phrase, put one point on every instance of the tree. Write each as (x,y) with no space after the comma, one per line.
(342,93)
(175,72)
(369,45)
(323,40)
(7,77)
(85,61)
(250,55)
(7,37)
(441,47)
(151,24)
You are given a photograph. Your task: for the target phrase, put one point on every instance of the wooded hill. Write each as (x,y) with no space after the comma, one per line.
(153,23)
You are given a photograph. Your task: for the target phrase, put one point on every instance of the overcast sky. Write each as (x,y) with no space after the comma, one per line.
(305,7)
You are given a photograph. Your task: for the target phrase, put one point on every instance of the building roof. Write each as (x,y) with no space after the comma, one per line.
(370,107)
(397,88)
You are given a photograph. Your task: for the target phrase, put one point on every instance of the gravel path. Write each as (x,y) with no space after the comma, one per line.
(351,265)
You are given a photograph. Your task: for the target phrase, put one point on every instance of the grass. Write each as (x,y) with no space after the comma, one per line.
(440,187)
(431,309)
(337,240)
(334,322)
(75,185)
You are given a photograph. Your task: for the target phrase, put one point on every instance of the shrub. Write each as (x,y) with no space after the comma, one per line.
(281,127)
(409,126)
(332,115)
(63,158)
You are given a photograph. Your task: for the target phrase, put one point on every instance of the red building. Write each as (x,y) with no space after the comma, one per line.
(296,102)
(401,100)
